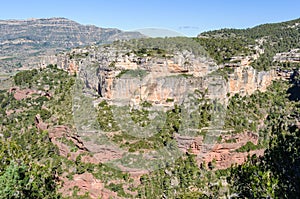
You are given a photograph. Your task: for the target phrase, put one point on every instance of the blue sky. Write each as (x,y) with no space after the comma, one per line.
(189,17)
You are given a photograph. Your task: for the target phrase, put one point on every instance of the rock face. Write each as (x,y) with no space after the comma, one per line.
(222,153)
(101,153)
(118,73)
(39,123)
(291,56)
(245,80)
(158,79)
(24,40)
(57,132)
(158,87)
(86,182)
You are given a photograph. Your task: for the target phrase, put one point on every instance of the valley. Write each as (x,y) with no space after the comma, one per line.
(134,117)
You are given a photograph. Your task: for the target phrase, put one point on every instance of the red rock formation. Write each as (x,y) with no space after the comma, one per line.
(39,123)
(21,94)
(9,112)
(175,68)
(104,154)
(223,154)
(73,68)
(64,150)
(225,158)
(86,182)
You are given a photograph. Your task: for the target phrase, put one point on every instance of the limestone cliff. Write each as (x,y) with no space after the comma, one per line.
(120,74)
(245,80)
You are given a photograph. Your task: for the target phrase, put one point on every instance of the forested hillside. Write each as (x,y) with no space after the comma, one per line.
(31,162)
(269,38)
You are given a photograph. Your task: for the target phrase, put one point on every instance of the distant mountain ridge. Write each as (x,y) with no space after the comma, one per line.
(21,40)
(257,31)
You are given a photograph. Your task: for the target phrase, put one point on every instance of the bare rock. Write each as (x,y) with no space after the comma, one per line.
(22,94)
(223,154)
(39,123)
(86,183)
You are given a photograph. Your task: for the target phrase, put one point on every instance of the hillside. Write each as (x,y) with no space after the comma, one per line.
(51,129)
(154,118)
(23,41)
(267,46)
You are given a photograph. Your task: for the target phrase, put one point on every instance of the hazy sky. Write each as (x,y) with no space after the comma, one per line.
(189,17)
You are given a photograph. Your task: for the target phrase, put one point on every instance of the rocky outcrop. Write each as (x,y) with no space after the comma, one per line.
(97,153)
(86,183)
(102,153)
(41,126)
(120,74)
(159,87)
(65,132)
(245,80)
(21,94)
(221,152)
(156,79)
(154,89)
(224,159)
(292,56)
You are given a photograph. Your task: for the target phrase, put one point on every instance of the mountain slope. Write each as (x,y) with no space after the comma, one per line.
(21,40)
(263,41)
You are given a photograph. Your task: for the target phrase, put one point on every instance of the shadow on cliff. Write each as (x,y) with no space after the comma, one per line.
(294,92)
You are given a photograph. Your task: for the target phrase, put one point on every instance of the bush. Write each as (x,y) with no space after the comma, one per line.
(21,181)
(45,114)
(25,76)
(249,146)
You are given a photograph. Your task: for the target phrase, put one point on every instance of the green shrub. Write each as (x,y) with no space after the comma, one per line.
(25,76)
(249,146)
